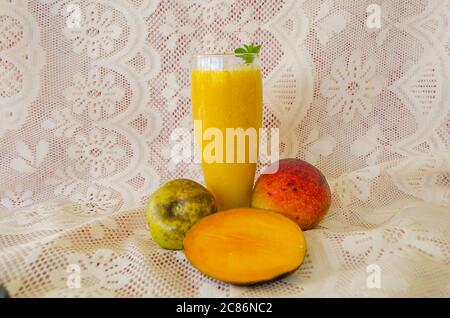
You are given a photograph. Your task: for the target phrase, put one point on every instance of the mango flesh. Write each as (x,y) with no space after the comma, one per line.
(297,190)
(245,246)
(174,208)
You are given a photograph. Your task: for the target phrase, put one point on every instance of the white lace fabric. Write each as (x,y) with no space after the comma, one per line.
(90,92)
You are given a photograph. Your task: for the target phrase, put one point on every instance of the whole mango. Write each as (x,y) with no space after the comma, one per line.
(174,208)
(297,190)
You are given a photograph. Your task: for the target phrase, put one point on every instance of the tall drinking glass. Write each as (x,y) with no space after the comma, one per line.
(227,111)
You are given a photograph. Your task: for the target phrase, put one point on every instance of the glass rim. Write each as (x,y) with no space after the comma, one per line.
(229,54)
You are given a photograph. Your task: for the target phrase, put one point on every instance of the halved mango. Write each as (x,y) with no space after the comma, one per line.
(245,246)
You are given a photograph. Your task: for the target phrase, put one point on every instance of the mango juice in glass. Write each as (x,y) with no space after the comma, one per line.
(227,101)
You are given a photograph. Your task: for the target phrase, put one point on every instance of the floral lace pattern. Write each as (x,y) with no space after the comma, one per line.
(97,94)
(21,60)
(96,152)
(351,88)
(95,33)
(103,270)
(91,90)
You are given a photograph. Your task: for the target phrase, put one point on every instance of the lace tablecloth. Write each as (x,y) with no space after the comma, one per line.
(90,92)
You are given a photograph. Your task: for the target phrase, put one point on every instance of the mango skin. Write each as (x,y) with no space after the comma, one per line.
(174,208)
(297,190)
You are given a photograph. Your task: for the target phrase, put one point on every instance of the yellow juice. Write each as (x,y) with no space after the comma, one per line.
(228,99)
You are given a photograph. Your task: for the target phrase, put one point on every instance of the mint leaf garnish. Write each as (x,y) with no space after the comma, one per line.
(248,52)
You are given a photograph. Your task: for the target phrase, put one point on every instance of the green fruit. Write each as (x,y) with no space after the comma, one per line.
(174,208)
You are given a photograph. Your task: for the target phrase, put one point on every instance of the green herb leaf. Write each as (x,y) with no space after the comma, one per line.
(248,52)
